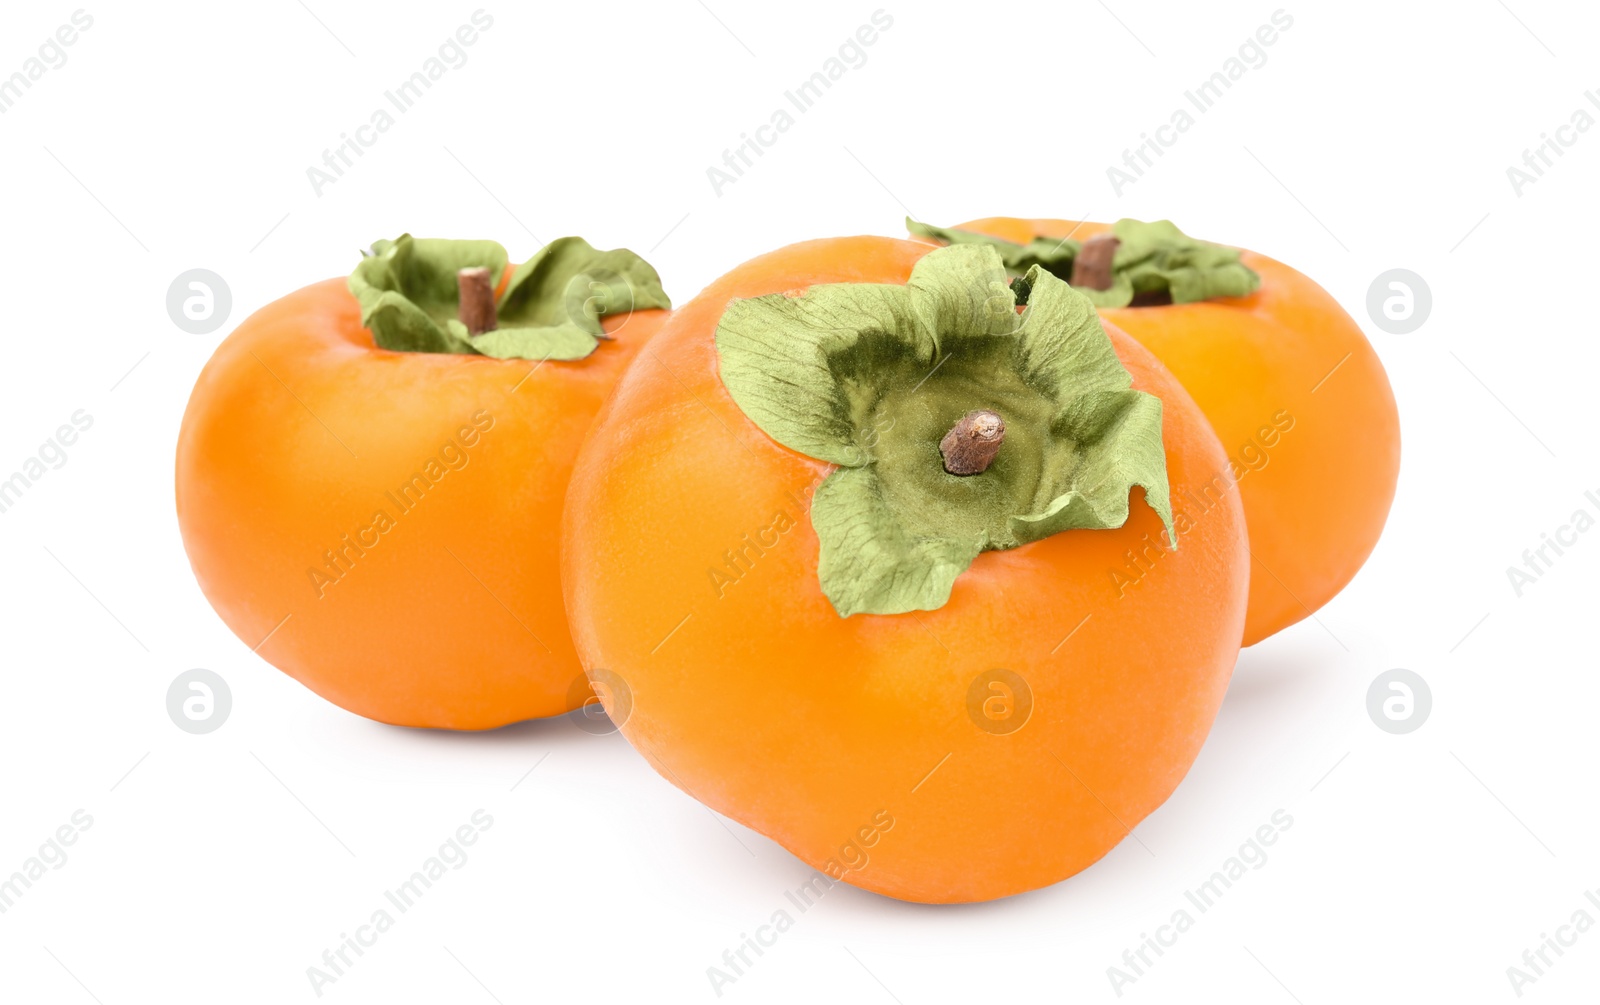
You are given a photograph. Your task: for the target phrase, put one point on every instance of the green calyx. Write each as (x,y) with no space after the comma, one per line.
(1154,263)
(872,377)
(551,308)
(1054,255)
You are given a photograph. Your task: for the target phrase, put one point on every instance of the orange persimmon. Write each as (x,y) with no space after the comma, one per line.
(1296,395)
(382,524)
(932,716)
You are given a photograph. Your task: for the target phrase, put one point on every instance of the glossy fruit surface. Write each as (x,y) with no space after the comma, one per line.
(997,744)
(383,526)
(1301,404)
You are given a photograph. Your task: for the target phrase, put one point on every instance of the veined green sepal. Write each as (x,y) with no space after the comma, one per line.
(551,308)
(870,377)
(1154,262)
(1055,255)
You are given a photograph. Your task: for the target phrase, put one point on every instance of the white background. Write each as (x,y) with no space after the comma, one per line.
(1376,136)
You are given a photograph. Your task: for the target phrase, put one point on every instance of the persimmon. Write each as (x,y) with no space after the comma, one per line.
(921,682)
(1287,379)
(369,487)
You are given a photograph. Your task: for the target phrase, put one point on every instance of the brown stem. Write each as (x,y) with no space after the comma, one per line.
(477,300)
(1092,268)
(970,445)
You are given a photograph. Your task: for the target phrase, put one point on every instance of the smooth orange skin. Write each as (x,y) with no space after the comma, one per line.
(408,635)
(767,706)
(1317,504)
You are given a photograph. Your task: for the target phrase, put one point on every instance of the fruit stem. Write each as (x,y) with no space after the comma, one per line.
(477,300)
(971,444)
(1091,268)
